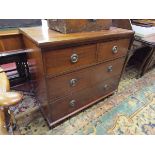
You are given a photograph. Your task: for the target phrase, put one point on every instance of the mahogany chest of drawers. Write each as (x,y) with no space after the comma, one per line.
(73,71)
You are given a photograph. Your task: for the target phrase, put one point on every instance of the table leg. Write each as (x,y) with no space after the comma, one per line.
(140,72)
(150,59)
(3,129)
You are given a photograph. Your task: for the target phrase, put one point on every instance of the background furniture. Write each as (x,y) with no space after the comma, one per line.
(19,74)
(144,22)
(145,38)
(73,71)
(7,99)
(16,23)
(143,56)
(142,50)
(13,58)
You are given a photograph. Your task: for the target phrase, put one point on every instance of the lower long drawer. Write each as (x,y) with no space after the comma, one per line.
(77,100)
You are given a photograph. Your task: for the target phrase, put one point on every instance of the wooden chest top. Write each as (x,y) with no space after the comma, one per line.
(44,37)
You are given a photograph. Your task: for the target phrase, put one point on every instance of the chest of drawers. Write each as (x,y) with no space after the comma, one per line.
(73,71)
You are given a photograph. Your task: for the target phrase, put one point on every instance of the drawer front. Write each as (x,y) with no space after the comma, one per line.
(113,49)
(77,100)
(59,61)
(75,81)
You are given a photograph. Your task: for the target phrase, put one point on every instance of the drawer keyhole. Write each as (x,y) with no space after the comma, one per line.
(72,103)
(106,86)
(73,82)
(109,69)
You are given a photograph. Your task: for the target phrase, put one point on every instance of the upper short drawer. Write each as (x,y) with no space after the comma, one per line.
(59,61)
(113,49)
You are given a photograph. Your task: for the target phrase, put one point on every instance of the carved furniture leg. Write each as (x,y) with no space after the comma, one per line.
(127,60)
(10,120)
(140,72)
(7,121)
(3,128)
(148,63)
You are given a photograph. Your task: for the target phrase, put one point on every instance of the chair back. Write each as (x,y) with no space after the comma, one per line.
(4,81)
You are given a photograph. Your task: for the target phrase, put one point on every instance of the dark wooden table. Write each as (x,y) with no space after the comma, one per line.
(20,58)
(150,41)
(144,39)
(12,51)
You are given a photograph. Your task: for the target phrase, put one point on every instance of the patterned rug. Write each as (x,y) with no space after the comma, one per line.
(129,111)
